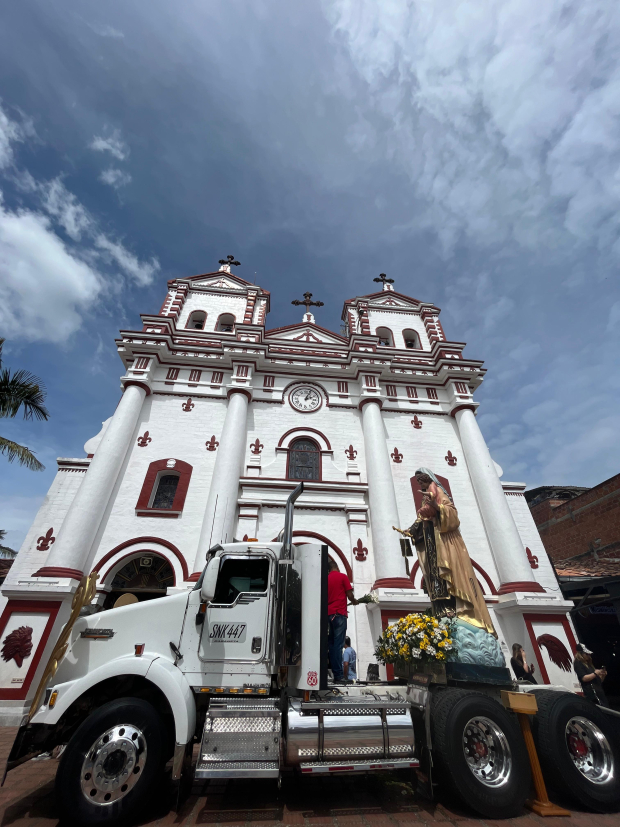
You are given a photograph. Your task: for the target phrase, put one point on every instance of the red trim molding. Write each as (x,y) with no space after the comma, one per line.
(140,552)
(142,385)
(520,586)
(377,400)
(37,607)
(544,618)
(244,391)
(183,469)
(330,543)
(139,540)
(58,571)
(458,408)
(193,578)
(312,430)
(392,583)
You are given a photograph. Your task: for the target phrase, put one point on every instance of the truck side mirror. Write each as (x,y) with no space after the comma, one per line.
(207,592)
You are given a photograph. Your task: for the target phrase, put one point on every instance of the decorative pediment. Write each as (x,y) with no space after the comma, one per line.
(221,281)
(305,334)
(389,300)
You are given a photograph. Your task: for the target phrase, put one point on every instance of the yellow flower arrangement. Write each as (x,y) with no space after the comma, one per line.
(417,638)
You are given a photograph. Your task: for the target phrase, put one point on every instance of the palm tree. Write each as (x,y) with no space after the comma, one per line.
(20,389)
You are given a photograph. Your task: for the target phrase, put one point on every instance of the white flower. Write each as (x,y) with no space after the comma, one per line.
(415,653)
(421,635)
(431,650)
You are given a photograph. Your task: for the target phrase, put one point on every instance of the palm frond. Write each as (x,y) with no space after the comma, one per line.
(24,456)
(22,389)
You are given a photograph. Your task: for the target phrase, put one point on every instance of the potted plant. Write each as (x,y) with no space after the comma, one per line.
(418,643)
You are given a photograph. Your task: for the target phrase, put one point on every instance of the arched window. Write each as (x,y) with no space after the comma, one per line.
(385,336)
(304,460)
(226,323)
(197,320)
(412,340)
(165,491)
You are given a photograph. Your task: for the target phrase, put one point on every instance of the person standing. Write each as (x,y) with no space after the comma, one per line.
(339,589)
(591,679)
(349,661)
(523,670)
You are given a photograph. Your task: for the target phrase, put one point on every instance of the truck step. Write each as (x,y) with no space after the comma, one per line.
(359,766)
(237,769)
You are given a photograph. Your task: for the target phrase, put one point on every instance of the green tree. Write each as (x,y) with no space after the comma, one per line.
(21,389)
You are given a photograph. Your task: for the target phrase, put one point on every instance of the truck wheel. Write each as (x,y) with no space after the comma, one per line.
(478,753)
(107,772)
(578,750)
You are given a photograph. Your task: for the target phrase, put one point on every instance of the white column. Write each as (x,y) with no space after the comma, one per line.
(389,562)
(72,549)
(508,551)
(219,517)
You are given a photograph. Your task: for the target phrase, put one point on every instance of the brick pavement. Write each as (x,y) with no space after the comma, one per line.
(27,800)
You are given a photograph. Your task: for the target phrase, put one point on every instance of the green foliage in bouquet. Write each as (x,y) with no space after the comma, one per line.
(417,638)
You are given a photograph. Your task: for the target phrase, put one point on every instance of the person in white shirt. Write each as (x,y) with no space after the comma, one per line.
(349,661)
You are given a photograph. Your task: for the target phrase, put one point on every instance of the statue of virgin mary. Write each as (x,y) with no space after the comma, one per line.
(448,573)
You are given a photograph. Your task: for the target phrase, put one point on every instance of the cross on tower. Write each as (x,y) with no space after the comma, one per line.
(227,262)
(385,281)
(307,300)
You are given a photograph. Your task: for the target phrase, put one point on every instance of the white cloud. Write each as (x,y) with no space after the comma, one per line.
(112,144)
(141,272)
(105,30)
(503,113)
(47,284)
(115,177)
(9,131)
(44,287)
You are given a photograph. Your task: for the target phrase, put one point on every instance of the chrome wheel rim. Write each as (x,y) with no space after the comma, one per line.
(589,750)
(486,751)
(113,764)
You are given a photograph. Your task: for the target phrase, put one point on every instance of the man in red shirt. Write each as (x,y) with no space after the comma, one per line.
(338,590)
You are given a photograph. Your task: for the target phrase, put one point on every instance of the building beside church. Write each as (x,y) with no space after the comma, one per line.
(219,419)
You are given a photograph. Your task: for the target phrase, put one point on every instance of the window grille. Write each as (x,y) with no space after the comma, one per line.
(304,460)
(194,375)
(412,392)
(343,387)
(166,490)
(432,393)
(173,373)
(269,381)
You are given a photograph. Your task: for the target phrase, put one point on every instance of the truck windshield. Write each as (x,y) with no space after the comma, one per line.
(241,574)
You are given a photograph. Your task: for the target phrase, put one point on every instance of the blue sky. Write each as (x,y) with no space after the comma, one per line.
(471,150)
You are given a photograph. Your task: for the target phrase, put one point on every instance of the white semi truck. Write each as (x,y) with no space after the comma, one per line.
(239,665)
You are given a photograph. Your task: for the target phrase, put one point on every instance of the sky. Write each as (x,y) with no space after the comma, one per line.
(470,150)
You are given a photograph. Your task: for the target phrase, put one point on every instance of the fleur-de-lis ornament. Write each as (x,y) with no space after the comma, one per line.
(396,456)
(532,558)
(43,543)
(350,452)
(144,440)
(416,422)
(450,458)
(256,447)
(212,444)
(187,406)
(360,551)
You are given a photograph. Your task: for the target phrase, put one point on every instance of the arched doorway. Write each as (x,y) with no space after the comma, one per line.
(146,575)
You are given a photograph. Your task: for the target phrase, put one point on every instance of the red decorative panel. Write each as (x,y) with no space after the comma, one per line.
(544,639)
(25,627)
(173,373)
(141,363)
(269,381)
(217,377)
(371,381)
(412,392)
(183,469)
(391,390)
(343,387)
(242,370)
(432,393)
(194,375)
(461,387)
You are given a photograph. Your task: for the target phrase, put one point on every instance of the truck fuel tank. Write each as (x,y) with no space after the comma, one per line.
(348,729)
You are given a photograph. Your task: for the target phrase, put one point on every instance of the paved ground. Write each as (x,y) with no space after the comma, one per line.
(27,800)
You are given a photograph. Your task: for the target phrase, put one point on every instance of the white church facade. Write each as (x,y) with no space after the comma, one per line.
(219,419)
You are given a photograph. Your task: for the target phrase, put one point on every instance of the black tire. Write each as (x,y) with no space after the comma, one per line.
(562,750)
(130,764)
(494,777)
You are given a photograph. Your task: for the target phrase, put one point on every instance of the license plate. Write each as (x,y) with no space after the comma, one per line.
(227,632)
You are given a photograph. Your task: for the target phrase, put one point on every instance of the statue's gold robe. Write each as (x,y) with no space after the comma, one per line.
(453,561)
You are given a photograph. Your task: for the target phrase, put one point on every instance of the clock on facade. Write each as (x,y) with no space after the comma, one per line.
(305,399)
